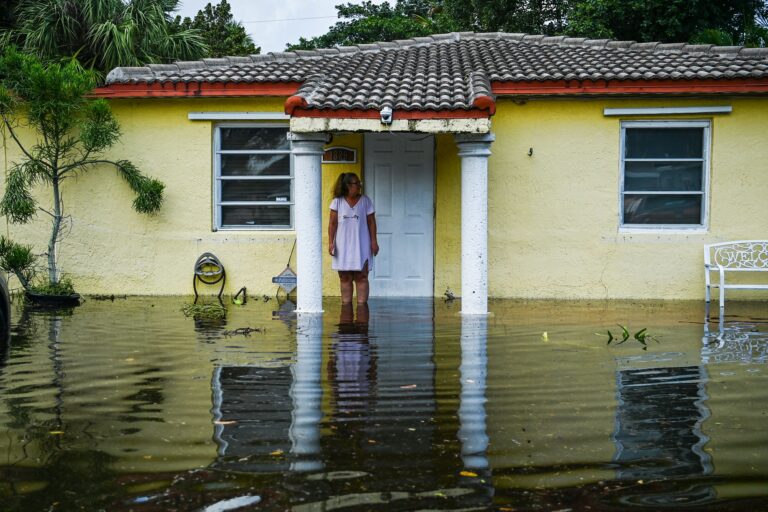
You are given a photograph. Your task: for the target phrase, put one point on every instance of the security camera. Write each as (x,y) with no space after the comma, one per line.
(386,115)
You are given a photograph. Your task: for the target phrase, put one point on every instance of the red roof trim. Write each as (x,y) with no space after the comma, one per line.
(293,103)
(195,89)
(566,87)
(485,102)
(562,87)
(398,114)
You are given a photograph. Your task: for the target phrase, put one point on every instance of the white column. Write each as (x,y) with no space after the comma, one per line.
(307,152)
(474,369)
(474,151)
(307,394)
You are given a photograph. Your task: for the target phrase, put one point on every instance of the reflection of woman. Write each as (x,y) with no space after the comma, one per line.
(351,362)
(352,236)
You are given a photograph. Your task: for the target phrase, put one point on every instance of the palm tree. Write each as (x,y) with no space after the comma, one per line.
(104,34)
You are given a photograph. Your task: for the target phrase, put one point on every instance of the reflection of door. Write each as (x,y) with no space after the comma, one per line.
(399,177)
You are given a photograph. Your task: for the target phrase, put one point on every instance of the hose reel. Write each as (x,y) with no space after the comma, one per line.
(209,270)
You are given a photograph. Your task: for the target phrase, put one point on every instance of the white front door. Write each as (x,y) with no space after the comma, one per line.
(399,177)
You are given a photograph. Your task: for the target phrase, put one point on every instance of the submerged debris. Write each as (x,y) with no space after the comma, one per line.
(204,310)
(243,331)
(108,297)
(233,503)
(449,295)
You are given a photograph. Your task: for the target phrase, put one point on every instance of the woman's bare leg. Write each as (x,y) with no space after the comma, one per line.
(361,284)
(345,279)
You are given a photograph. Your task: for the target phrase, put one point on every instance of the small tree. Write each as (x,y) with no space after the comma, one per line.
(221,33)
(72,132)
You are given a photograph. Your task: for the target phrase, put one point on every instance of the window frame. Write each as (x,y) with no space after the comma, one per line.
(218,179)
(706,126)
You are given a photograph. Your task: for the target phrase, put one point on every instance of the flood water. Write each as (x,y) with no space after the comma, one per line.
(406,405)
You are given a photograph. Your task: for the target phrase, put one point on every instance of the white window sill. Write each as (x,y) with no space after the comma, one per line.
(255,229)
(624,230)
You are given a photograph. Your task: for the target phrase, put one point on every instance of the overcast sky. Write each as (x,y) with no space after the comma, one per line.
(274,23)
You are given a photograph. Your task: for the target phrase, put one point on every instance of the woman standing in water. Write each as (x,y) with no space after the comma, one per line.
(352,236)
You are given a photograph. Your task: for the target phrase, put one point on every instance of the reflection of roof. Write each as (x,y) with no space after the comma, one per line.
(455,71)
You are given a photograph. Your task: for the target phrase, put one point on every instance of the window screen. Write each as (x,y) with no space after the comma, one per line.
(664,173)
(254,177)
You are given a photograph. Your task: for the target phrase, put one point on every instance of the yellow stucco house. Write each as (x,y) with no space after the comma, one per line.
(501,165)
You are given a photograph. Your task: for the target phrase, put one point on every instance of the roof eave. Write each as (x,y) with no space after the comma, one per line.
(625,87)
(196,89)
(397,114)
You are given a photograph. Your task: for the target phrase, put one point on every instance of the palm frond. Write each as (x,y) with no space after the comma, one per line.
(149,191)
(17,203)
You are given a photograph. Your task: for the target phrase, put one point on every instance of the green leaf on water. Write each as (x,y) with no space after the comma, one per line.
(624,333)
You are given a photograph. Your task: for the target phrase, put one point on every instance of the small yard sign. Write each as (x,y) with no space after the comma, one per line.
(286,280)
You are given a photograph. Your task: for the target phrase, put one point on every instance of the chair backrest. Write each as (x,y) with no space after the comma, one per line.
(741,254)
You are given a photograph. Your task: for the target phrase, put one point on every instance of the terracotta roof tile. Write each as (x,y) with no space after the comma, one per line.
(454,71)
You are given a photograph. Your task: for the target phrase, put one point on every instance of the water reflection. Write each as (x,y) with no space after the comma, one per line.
(306,394)
(734,342)
(400,405)
(352,365)
(659,436)
(474,369)
(252,415)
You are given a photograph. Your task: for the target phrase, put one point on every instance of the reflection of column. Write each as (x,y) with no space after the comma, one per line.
(474,368)
(307,150)
(474,151)
(306,394)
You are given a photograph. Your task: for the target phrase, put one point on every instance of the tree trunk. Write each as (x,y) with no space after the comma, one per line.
(53,271)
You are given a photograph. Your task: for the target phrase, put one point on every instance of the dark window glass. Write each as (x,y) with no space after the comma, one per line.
(663,176)
(254,138)
(263,152)
(256,165)
(255,216)
(662,209)
(256,190)
(664,143)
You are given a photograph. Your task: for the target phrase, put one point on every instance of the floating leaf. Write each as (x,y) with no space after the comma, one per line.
(468,473)
(624,333)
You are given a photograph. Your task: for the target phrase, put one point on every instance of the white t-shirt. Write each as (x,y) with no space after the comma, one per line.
(353,240)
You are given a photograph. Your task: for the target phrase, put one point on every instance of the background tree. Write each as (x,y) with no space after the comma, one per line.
(7,18)
(732,22)
(104,34)
(368,22)
(742,22)
(528,16)
(72,133)
(219,30)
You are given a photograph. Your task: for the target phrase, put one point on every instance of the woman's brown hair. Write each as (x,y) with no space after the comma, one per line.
(341,187)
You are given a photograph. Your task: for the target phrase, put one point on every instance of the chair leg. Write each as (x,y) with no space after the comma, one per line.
(722,303)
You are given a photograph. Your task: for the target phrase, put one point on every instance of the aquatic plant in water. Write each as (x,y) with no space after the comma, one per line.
(642,336)
(204,310)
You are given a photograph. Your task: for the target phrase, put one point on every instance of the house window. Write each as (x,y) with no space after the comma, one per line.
(253,177)
(664,173)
